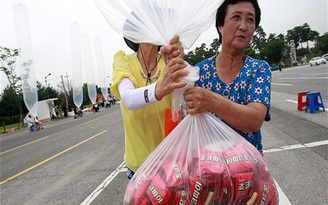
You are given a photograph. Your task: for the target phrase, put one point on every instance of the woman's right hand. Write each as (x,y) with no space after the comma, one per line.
(172,72)
(174,50)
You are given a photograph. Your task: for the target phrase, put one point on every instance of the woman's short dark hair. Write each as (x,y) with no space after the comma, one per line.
(222,11)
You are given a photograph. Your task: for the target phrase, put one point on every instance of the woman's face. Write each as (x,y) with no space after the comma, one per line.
(239,25)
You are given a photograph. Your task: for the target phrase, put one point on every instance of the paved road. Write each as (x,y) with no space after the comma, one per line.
(79,161)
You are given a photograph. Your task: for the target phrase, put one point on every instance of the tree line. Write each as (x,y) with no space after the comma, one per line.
(273,48)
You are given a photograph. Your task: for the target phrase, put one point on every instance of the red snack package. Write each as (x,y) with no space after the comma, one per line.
(208,164)
(238,160)
(243,187)
(129,196)
(157,191)
(140,184)
(260,165)
(198,192)
(275,198)
(224,195)
(174,174)
(266,193)
(180,198)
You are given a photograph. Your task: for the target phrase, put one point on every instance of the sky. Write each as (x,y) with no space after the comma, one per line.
(50,23)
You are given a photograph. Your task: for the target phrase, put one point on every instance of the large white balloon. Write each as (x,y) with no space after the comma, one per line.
(88,68)
(76,64)
(101,68)
(22,26)
(157,21)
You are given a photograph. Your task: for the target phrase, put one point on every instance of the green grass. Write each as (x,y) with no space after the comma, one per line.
(15,125)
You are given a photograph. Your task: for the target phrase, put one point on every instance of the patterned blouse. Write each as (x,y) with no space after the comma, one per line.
(252,84)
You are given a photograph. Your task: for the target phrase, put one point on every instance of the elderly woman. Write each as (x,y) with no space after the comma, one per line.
(232,85)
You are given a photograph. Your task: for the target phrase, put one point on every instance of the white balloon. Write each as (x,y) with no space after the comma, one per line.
(22,26)
(88,68)
(101,68)
(157,21)
(76,64)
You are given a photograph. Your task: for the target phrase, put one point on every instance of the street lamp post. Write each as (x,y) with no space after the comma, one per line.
(45,78)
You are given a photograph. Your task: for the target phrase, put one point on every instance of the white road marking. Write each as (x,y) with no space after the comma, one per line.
(283,200)
(104,184)
(292,101)
(304,78)
(281,84)
(297,146)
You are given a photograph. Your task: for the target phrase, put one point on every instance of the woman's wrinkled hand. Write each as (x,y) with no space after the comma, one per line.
(198,100)
(172,72)
(174,50)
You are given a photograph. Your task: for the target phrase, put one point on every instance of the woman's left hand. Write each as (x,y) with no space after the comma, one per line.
(198,100)
(173,50)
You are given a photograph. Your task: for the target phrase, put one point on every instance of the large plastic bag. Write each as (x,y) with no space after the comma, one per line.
(202,161)
(178,102)
(157,21)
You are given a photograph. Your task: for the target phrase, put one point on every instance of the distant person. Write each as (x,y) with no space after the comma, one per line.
(78,112)
(30,123)
(65,111)
(37,124)
(95,107)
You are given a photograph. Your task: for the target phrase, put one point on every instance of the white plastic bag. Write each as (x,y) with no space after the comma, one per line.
(157,21)
(177,98)
(204,162)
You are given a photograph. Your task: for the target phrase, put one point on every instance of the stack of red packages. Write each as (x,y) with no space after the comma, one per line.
(236,174)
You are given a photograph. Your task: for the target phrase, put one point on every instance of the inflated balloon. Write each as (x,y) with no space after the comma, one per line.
(157,21)
(76,64)
(26,62)
(88,68)
(101,68)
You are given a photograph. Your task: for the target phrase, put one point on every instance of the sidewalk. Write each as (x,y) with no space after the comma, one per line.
(288,103)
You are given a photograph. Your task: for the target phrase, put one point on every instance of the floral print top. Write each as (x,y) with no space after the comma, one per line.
(252,84)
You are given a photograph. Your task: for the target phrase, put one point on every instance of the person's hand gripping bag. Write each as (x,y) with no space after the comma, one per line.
(203,162)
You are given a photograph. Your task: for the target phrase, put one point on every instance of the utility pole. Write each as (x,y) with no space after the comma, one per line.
(45,79)
(66,76)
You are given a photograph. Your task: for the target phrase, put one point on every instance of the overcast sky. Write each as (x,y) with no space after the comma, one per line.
(50,22)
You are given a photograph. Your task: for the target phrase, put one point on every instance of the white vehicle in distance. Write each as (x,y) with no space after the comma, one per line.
(317,61)
(325,56)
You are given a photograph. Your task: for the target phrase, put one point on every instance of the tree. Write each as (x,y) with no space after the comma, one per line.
(294,34)
(302,34)
(258,40)
(46,92)
(273,50)
(307,34)
(216,45)
(8,63)
(9,105)
(202,52)
(322,44)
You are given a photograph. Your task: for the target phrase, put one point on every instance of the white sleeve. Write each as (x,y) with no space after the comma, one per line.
(134,98)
